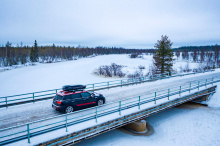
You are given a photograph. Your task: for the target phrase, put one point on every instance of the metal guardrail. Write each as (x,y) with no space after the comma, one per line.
(90,132)
(47,94)
(28,130)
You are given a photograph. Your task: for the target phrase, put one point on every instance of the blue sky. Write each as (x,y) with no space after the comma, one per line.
(125,23)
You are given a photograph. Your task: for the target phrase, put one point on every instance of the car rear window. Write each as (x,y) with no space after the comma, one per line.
(58,97)
(67,97)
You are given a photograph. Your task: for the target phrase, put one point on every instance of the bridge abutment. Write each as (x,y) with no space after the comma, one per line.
(138,126)
(202,98)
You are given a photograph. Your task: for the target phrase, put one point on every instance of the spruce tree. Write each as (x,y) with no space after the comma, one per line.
(163,57)
(35,51)
(32,55)
(8,53)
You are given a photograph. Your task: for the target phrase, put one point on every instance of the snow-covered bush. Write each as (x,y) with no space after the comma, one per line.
(187,69)
(204,66)
(136,55)
(141,67)
(136,74)
(110,71)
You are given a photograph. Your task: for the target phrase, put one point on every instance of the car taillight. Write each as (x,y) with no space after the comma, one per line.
(58,102)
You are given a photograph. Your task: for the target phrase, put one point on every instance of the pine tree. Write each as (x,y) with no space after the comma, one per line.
(163,57)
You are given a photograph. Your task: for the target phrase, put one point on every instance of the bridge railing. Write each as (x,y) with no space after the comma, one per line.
(31,129)
(41,95)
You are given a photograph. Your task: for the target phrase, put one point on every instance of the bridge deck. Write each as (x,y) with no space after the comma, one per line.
(118,117)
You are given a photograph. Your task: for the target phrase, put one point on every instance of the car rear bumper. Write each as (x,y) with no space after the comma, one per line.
(58,108)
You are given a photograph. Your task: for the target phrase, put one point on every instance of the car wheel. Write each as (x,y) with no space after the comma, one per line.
(69,109)
(100,102)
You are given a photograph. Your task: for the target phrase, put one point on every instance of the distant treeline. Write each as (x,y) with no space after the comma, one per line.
(10,55)
(197,48)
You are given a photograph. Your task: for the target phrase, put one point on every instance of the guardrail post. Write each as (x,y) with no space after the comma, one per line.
(212,80)
(168,94)
(155,98)
(108,84)
(139,104)
(205,82)
(28,133)
(56,90)
(33,96)
(6,101)
(198,85)
(96,114)
(66,123)
(93,86)
(121,83)
(119,107)
(168,74)
(180,91)
(189,87)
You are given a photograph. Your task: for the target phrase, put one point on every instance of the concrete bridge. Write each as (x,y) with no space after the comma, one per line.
(68,129)
(132,121)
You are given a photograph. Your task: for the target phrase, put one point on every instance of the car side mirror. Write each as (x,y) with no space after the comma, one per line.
(91,96)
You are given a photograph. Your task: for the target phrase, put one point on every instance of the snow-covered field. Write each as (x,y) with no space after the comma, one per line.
(190,125)
(52,76)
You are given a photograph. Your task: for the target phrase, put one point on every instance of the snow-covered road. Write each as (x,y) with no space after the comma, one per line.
(21,114)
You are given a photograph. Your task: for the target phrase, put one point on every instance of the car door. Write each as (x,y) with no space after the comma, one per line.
(88,99)
(77,100)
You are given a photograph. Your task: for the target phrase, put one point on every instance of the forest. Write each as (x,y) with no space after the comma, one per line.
(18,55)
(10,55)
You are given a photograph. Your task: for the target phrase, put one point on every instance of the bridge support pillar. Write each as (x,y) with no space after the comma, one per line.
(138,126)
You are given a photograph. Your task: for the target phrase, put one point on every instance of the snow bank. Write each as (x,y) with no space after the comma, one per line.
(214,101)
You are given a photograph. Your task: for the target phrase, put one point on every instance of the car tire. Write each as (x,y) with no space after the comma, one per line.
(100,102)
(69,109)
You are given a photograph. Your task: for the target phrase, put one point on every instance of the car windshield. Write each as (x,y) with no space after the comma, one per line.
(58,97)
